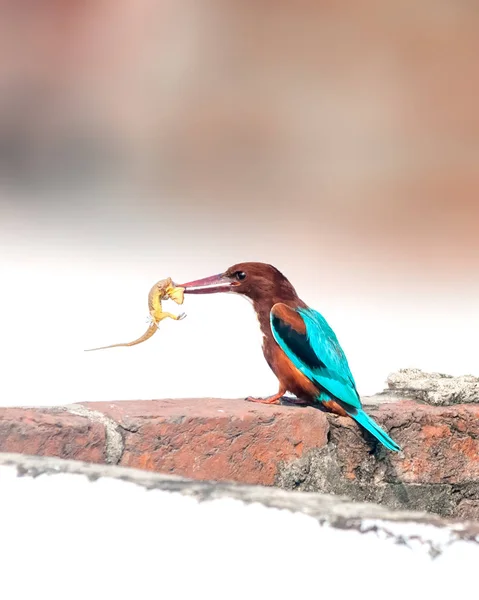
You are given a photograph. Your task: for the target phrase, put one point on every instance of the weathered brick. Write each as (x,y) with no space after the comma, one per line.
(51,432)
(290,446)
(215,439)
(437,471)
(440,444)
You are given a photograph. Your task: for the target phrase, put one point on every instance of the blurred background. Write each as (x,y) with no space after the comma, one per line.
(150,138)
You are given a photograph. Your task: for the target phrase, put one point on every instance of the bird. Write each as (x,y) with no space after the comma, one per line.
(299,345)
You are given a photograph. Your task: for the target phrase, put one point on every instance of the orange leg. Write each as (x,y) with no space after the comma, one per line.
(275,399)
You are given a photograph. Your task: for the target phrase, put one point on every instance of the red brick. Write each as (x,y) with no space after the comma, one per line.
(252,443)
(51,432)
(440,443)
(215,439)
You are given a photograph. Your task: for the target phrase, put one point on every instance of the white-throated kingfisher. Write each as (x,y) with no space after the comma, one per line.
(298,344)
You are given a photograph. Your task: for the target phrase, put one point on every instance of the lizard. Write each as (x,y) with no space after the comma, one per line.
(162,290)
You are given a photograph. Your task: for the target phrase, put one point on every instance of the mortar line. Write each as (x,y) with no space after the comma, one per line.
(114,445)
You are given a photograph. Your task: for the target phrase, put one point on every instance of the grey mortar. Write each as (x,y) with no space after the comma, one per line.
(114,441)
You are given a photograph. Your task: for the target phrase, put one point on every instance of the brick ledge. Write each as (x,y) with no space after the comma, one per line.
(289,446)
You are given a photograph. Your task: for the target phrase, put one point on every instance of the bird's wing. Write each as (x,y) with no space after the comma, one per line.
(309,342)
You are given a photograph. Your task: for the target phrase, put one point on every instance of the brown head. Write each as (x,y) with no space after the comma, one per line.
(260,282)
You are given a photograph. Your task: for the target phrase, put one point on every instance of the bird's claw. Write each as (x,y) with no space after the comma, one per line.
(181,316)
(272,400)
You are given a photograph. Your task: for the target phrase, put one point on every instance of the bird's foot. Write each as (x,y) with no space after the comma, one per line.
(269,400)
(181,316)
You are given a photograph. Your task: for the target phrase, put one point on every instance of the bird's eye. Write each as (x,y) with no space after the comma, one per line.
(240,275)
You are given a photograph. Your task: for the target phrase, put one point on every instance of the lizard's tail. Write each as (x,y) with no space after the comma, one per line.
(146,336)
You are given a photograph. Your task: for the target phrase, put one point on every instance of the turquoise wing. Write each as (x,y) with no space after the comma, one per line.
(313,348)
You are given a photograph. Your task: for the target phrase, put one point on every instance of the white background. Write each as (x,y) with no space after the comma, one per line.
(82,282)
(114,539)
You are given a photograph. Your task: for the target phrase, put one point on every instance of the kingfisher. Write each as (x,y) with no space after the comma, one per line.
(298,344)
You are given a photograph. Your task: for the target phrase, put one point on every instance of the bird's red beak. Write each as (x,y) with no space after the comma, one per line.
(208,285)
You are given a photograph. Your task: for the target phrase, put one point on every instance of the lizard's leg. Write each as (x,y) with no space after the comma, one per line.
(167,315)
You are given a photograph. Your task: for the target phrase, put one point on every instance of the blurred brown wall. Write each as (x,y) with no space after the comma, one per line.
(355,117)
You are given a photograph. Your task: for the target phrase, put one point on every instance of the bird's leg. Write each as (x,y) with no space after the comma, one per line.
(275,399)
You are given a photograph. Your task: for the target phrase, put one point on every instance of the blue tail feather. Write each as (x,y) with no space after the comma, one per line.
(365,420)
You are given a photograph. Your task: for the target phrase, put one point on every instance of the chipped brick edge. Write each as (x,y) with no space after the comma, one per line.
(336,511)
